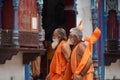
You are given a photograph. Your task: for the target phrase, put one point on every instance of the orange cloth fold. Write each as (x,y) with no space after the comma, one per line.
(68,72)
(58,64)
(88,52)
(35,66)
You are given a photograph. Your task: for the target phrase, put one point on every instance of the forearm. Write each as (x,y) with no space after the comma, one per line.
(87,67)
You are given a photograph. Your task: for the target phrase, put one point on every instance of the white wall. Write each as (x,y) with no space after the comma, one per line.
(113,70)
(84,13)
(12,68)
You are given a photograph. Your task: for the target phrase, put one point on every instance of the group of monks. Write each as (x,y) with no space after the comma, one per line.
(72,59)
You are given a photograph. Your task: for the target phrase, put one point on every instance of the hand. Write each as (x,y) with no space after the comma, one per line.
(77,77)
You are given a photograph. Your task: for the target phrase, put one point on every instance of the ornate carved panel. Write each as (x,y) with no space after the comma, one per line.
(112,26)
(28,39)
(112,52)
(7,53)
(111,5)
(30,54)
(6,38)
(111,57)
(112,45)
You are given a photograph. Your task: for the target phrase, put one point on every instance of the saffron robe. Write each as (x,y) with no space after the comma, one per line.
(58,64)
(77,65)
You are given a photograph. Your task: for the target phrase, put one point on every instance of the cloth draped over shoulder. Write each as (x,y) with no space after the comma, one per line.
(77,68)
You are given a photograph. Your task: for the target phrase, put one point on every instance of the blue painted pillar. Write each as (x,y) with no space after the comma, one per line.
(94,12)
(15,30)
(1,4)
(15,36)
(27,72)
(39,8)
(119,27)
(102,26)
(105,27)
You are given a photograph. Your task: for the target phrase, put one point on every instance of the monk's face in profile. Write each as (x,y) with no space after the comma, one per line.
(73,39)
(55,39)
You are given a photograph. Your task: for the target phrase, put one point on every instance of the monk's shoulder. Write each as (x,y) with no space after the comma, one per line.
(81,48)
(81,45)
(66,47)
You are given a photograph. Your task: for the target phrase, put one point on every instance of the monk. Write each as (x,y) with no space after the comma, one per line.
(61,55)
(81,58)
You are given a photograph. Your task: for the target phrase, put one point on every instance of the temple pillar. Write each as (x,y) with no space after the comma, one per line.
(1,4)
(15,30)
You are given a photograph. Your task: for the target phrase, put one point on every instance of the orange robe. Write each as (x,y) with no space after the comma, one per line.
(78,65)
(58,64)
(68,71)
(35,66)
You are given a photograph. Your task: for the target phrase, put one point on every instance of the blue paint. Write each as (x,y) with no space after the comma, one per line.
(95,24)
(1,3)
(92,4)
(102,39)
(40,33)
(118,17)
(16,18)
(39,3)
(27,72)
(75,6)
(15,2)
(95,46)
(105,20)
(15,30)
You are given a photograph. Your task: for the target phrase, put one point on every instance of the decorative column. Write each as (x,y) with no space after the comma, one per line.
(94,11)
(102,39)
(119,24)
(39,8)
(1,4)
(15,30)
(119,30)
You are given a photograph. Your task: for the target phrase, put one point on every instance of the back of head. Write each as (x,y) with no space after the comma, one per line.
(62,33)
(77,32)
